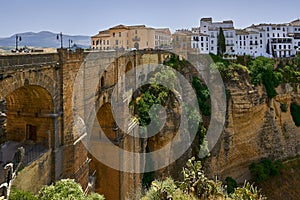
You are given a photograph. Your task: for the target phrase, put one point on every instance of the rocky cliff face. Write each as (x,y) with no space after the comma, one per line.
(256,127)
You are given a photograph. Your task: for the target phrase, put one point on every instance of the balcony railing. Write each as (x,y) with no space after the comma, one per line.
(136,39)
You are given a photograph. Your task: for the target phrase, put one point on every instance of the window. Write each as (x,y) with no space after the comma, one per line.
(279,46)
(120,34)
(278,28)
(107,42)
(283,29)
(261,41)
(117,42)
(268,29)
(136,32)
(274,46)
(268,35)
(273,28)
(103,42)
(31,132)
(114,34)
(93,42)
(201,38)
(260,35)
(273,34)
(278,35)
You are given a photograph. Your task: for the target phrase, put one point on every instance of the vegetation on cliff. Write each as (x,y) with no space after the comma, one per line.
(286,185)
(261,71)
(264,170)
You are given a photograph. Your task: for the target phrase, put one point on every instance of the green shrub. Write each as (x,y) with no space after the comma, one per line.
(16,194)
(284,107)
(231,185)
(295,111)
(264,169)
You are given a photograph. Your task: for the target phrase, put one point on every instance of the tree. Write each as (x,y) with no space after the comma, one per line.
(221,42)
(262,72)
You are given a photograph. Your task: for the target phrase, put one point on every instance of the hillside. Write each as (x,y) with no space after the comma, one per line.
(286,185)
(44,39)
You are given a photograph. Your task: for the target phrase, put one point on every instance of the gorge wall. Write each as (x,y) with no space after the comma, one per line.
(256,127)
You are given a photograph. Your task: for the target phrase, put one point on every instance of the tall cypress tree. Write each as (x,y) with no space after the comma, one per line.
(221,42)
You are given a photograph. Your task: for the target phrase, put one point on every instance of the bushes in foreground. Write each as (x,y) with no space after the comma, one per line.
(66,189)
(196,185)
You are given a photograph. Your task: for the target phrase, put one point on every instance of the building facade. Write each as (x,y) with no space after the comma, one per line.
(269,40)
(123,37)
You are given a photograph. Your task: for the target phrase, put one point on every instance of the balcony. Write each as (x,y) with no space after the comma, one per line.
(136,39)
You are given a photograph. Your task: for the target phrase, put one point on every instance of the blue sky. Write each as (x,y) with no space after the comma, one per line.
(87,17)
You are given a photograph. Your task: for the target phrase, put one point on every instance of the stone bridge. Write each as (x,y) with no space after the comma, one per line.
(37,108)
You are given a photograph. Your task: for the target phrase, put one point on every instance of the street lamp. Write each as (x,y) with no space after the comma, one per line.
(60,36)
(70,42)
(18,39)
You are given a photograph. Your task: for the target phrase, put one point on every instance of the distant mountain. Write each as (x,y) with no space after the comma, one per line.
(45,39)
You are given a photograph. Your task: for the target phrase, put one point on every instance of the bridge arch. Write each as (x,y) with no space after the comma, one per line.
(29,112)
(37,78)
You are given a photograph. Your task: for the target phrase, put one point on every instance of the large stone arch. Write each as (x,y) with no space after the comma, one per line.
(20,79)
(106,177)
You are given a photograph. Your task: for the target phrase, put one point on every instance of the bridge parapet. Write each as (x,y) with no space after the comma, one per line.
(19,61)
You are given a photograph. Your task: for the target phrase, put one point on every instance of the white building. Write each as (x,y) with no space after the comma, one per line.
(277,40)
